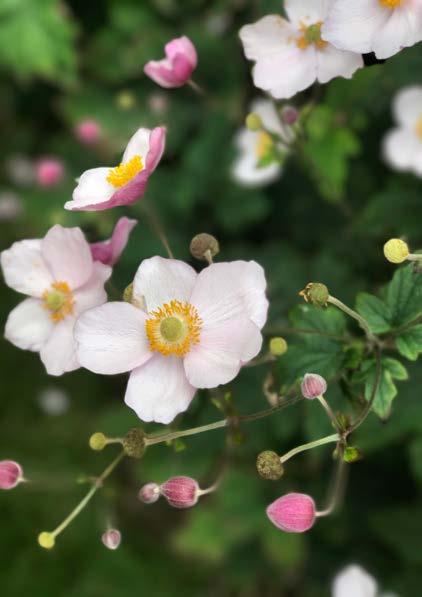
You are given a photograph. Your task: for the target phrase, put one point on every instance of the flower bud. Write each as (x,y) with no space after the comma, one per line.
(88,131)
(49,172)
(134,443)
(293,512)
(269,465)
(313,385)
(352,454)
(253,122)
(111,538)
(46,540)
(396,250)
(97,441)
(180,492)
(289,115)
(315,293)
(204,244)
(149,493)
(278,346)
(11,474)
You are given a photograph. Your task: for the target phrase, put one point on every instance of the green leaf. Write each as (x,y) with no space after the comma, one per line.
(374,311)
(409,343)
(404,296)
(391,369)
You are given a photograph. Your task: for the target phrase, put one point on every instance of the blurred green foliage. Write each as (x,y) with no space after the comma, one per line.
(326,219)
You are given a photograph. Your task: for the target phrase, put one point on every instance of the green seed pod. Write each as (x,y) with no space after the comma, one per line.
(203,246)
(316,294)
(134,442)
(269,465)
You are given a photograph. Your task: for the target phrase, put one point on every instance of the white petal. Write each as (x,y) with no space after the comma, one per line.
(59,352)
(265,37)
(306,12)
(29,325)
(111,338)
(92,189)
(159,390)
(221,351)
(401,149)
(160,280)
(407,106)
(92,293)
(353,25)
(267,111)
(24,268)
(397,32)
(246,172)
(138,145)
(68,255)
(337,63)
(354,581)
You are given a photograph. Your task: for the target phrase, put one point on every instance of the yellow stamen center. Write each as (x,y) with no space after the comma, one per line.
(390,3)
(311,36)
(263,145)
(418,128)
(173,328)
(122,174)
(58,300)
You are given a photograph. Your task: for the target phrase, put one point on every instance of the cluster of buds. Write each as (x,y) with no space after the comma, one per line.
(180,492)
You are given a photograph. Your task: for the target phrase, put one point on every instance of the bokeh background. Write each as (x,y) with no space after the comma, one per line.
(325,219)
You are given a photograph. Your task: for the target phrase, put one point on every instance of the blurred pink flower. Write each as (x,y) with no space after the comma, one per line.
(176,69)
(11,474)
(49,172)
(194,331)
(109,251)
(88,131)
(62,280)
(103,188)
(293,512)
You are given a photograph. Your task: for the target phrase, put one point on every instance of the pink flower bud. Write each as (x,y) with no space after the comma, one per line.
(289,115)
(109,251)
(11,474)
(180,492)
(149,493)
(49,172)
(293,512)
(313,385)
(88,131)
(176,69)
(111,538)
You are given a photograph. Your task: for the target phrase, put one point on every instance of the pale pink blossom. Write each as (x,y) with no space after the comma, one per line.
(149,493)
(177,67)
(293,512)
(103,188)
(402,146)
(187,331)
(49,172)
(290,55)
(381,26)
(313,385)
(109,251)
(61,279)
(111,539)
(11,474)
(88,131)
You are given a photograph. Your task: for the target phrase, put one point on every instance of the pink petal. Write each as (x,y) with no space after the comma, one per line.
(157,143)
(109,251)
(159,390)
(29,325)
(11,474)
(24,268)
(162,73)
(59,352)
(182,46)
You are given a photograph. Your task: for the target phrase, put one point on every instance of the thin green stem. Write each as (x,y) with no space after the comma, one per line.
(309,446)
(361,321)
(337,486)
(328,410)
(157,226)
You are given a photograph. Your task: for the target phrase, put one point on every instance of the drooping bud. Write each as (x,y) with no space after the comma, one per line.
(269,465)
(278,346)
(313,385)
(149,493)
(396,250)
(46,540)
(134,442)
(97,441)
(11,474)
(315,293)
(181,492)
(111,538)
(253,122)
(203,246)
(293,512)
(289,115)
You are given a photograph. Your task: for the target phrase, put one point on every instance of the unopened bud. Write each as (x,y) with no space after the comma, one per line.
(253,122)
(278,346)
(181,492)
(134,443)
(203,246)
(269,465)
(289,115)
(11,474)
(352,454)
(396,250)
(149,493)
(46,540)
(111,538)
(315,293)
(293,512)
(313,385)
(97,441)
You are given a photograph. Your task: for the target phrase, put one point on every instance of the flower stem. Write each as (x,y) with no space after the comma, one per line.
(361,321)
(328,410)
(336,491)
(197,88)
(157,227)
(309,446)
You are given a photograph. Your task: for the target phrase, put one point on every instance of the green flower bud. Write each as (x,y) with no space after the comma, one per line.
(316,294)
(352,454)
(97,441)
(269,465)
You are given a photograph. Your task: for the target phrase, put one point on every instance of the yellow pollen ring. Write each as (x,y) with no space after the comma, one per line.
(173,328)
(122,174)
(390,3)
(58,300)
(311,35)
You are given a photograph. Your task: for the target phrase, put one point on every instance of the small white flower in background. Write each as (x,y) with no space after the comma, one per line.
(402,146)
(61,279)
(354,581)
(381,26)
(53,401)
(11,206)
(291,55)
(256,146)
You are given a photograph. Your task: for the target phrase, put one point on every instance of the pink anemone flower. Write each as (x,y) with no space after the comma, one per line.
(176,69)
